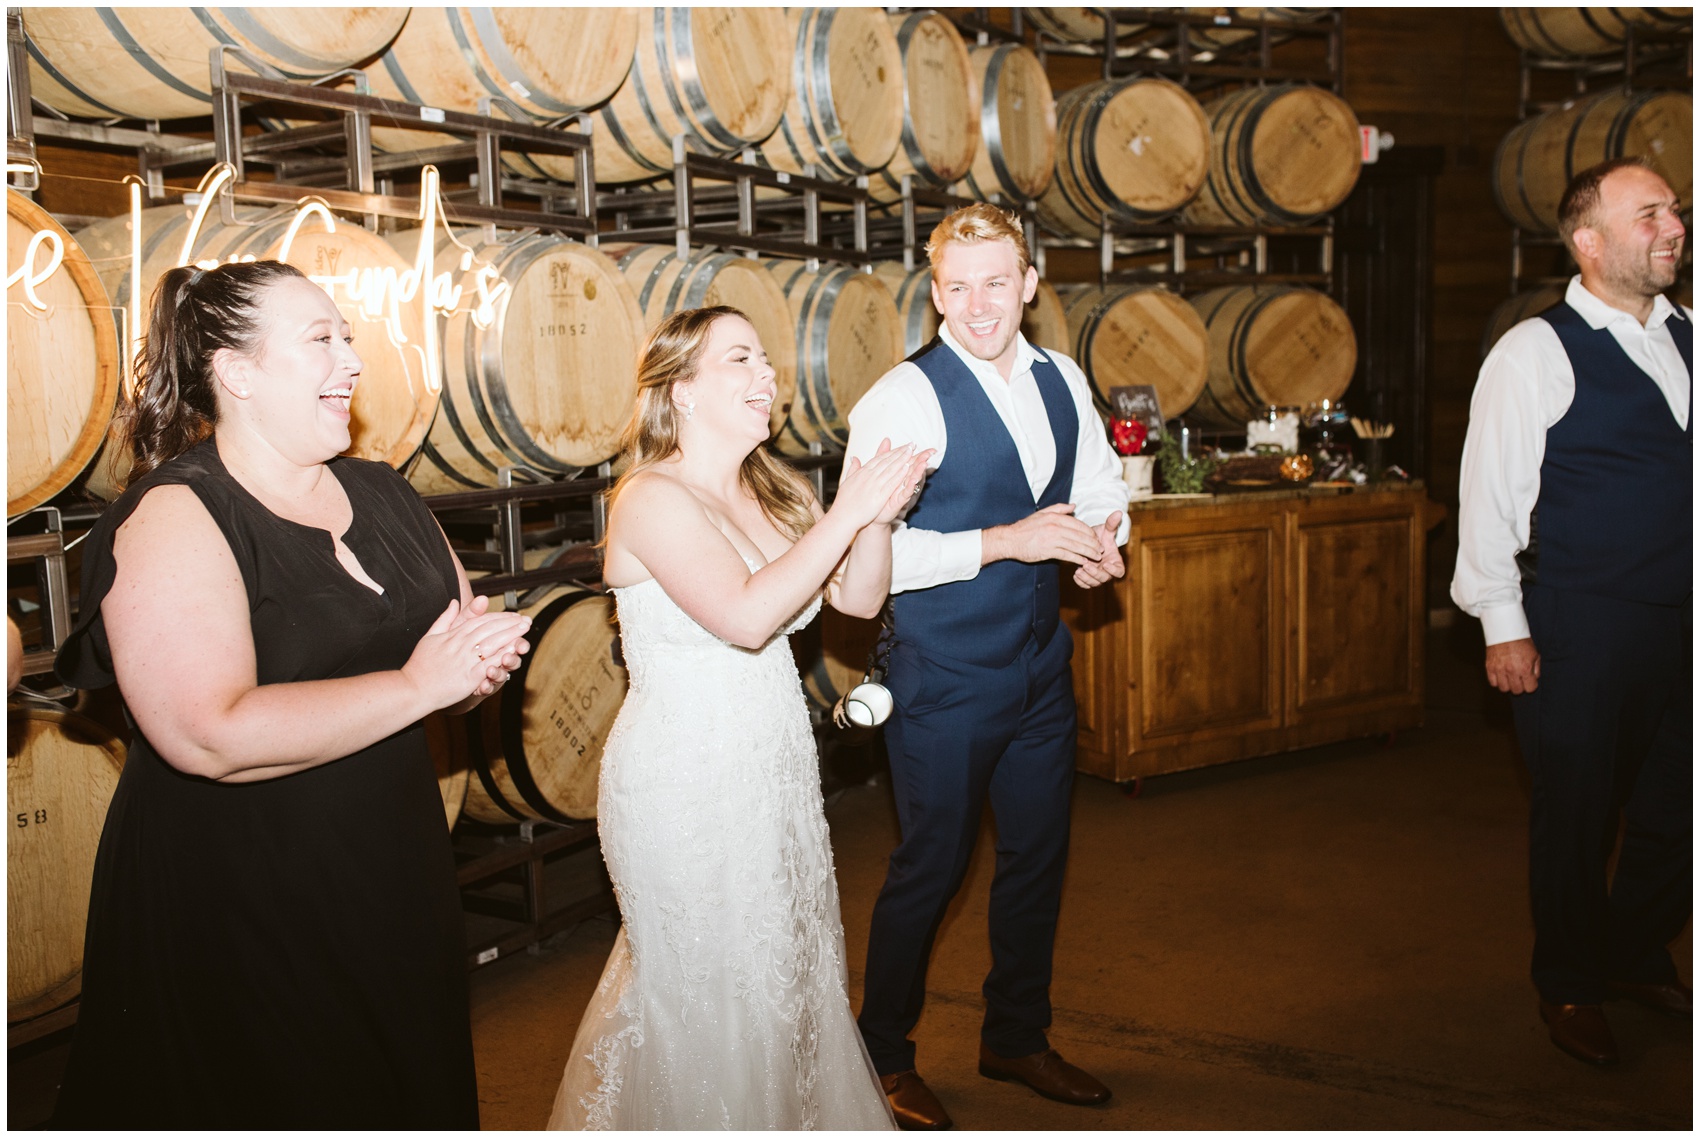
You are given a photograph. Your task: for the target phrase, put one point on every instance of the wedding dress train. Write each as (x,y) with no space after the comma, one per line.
(725,1001)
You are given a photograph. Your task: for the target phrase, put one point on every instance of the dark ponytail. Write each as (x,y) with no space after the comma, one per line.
(194,313)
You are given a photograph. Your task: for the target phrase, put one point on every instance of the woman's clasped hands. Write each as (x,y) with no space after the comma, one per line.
(875,492)
(467,652)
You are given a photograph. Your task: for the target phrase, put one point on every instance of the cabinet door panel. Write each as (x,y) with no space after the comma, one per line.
(1354,618)
(1208,610)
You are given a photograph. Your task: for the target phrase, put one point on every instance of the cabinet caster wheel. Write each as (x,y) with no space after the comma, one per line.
(1132,787)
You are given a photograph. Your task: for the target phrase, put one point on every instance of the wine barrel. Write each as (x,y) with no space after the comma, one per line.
(61,772)
(719,76)
(549,61)
(1516,309)
(1018,126)
(1215,38)
(837,663)
(1563,33)
(941,124)
(536,746)
(1279,156)
(845,113)
(1131,334)
(62,358)
(1086,25)
(848,335)
(445,738)
(664,284)
(1538,158)
(1045,323)
(152,63)
(393,402)
(913,293)
(548,382)
(1130,149)
(1078,25)
(1272,345)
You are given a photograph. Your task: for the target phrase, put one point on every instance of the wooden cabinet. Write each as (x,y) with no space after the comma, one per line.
(1252,624)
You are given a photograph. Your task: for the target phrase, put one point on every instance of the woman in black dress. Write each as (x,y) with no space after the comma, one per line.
(275,937)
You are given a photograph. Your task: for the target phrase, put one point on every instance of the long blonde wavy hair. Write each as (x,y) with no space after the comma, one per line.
(671,355)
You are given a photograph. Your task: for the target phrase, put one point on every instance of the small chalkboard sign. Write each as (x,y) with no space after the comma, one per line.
(1138,403)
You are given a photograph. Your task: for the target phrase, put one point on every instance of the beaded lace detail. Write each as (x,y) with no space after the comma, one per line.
(725,1001)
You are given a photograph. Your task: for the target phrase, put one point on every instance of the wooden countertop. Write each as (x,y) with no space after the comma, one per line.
(1274,494)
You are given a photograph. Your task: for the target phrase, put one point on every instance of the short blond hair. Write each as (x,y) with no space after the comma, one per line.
(972,224)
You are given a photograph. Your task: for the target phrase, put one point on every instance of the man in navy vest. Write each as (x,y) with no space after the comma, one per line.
(1575,549)
(1023,483)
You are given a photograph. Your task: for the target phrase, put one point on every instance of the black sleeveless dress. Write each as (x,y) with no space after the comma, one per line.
(290,953)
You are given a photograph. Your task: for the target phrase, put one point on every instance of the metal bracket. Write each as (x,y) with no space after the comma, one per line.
(48,551)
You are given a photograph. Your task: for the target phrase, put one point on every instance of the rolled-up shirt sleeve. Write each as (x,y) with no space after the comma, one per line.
(1515,401)
(902,408)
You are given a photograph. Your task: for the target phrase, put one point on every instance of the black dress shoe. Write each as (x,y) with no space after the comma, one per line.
(1581,1030)
(913,1103)
(1675,1000)
(1048,1073)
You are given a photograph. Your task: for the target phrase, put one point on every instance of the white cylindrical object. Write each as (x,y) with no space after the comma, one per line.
(1136,472)
(868,705)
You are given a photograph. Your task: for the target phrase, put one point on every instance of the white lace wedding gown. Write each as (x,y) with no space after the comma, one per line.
(725,1002)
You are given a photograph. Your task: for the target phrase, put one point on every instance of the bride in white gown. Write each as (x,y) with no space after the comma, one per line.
(725,1002)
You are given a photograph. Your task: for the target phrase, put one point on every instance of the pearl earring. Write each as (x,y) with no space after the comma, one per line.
(690,409)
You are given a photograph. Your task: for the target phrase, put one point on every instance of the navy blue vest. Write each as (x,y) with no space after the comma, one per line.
(1615,517)
(981,483)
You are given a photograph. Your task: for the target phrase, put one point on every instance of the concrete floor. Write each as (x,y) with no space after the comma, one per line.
(1336,938)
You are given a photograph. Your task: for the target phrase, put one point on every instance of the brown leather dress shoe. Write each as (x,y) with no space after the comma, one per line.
(913,1103)
(1674,1000)
(1581,1030)
(1048,1073)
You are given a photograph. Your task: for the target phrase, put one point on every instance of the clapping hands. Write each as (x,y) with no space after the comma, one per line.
(467,652)
(875,493)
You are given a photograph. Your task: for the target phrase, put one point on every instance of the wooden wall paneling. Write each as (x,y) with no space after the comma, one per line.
(1448,79)
(1384,279)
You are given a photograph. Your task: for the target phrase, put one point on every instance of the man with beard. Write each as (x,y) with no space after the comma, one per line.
(1575,550)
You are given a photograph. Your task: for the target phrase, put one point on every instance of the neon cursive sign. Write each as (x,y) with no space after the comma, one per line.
(380,293)
(31,273)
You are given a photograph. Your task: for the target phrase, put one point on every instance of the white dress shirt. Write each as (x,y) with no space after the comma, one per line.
(903,407)
(1526,385)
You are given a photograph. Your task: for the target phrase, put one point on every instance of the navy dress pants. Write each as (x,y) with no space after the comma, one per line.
(959,735)
(1608,731)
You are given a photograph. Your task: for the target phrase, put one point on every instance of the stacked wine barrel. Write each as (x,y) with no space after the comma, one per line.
(1271,345)
(151,63)
(61,772)
(1130,334)
(546,379)
(941,124)
(1128,150)
(1569,33)
(1280,155)
(535,748)
(848,334)
(1541,154)
(62,357)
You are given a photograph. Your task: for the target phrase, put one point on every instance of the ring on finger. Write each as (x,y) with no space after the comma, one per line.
(478,650)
